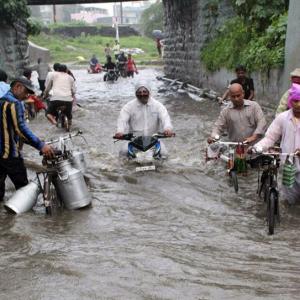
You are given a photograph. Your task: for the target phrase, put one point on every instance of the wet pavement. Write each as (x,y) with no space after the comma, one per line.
(179,233)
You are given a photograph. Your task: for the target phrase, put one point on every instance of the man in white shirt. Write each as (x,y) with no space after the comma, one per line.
(144,116)
(63,93)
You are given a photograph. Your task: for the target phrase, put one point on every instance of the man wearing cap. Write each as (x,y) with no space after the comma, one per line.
(283,104)
(286,129)
(12,128)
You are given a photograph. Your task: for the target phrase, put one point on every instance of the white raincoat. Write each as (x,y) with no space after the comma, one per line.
(144,119)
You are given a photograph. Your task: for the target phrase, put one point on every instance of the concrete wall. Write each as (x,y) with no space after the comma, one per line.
(267,86)
(188,28)
(292,47)
(13,49)
(36,52)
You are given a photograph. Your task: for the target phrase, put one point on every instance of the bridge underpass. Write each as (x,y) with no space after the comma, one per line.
(58,2)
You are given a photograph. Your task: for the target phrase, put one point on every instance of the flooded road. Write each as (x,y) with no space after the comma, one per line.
(180,233)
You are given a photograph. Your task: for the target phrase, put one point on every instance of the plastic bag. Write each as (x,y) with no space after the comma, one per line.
(289,173)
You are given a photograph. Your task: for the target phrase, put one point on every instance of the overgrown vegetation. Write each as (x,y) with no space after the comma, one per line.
(34,27)
(67,50)
(12,11)
(152,19)
(255,38)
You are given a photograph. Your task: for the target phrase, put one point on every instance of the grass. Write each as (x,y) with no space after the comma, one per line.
(65,50)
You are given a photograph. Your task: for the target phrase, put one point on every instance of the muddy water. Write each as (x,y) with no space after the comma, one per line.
(180,233)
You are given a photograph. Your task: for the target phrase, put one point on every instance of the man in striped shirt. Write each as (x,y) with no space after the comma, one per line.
(12,128)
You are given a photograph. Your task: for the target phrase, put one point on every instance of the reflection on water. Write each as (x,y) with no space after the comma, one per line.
(179,233)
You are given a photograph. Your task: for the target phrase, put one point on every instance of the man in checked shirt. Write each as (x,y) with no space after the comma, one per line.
(243,119)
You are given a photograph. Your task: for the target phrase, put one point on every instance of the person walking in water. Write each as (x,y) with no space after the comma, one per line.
(42,69)
(13,128)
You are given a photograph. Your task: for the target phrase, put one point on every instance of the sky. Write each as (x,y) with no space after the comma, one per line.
(109,6)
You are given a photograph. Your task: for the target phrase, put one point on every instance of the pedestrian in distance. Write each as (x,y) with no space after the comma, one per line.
(244,81)
(283,103)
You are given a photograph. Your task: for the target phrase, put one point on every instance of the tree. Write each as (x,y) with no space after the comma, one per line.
(12,11)
(152,18)
(260,13)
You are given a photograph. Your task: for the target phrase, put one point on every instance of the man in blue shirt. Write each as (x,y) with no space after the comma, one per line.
(4,86)
(12,128)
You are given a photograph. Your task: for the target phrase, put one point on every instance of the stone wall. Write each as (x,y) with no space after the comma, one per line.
(292,57)
(13,49)
(187,29)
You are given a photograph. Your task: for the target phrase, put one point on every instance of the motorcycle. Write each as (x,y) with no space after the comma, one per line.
(95,69)
(110,76)
(145,151)
(122,69)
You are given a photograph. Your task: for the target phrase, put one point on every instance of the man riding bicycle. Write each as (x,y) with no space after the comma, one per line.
(63,88)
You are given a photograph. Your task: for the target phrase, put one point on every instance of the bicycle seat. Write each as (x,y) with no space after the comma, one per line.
(61,108)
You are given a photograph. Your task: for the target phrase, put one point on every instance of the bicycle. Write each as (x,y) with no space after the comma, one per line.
(230,158)
(267,189)
(51,198)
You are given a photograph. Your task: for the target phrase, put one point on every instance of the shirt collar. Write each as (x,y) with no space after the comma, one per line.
(246,103)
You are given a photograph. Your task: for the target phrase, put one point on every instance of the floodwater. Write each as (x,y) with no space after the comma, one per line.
(179,233)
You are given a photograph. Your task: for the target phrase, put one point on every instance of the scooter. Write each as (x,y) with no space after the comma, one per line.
(144,151)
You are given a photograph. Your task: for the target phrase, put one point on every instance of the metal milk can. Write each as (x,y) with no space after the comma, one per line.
(71,186)
(78,161)
(24,198)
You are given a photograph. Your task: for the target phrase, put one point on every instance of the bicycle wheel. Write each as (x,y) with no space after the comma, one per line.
(66,123)
(234,180)
(272,210)
(264,186)
(50,196)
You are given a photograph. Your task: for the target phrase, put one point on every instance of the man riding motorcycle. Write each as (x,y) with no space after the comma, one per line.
(144,116)
(95,67)
(122,64)
(110,68)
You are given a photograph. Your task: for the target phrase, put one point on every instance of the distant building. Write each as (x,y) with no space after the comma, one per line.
(90,15)
(131,14)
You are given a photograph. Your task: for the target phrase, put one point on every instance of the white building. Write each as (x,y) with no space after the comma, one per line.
(90,15)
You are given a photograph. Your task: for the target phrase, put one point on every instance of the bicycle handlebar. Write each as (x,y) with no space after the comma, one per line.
(65,138)
(229,143)
(130,136)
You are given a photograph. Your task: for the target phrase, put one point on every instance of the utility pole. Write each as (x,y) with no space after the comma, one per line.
(54,13)
(121,12)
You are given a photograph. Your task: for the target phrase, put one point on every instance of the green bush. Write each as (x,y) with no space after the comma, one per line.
(236,43)
(152,19)
(12,11)
(34,27)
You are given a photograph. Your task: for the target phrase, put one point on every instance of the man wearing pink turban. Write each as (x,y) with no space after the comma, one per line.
(287,127)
